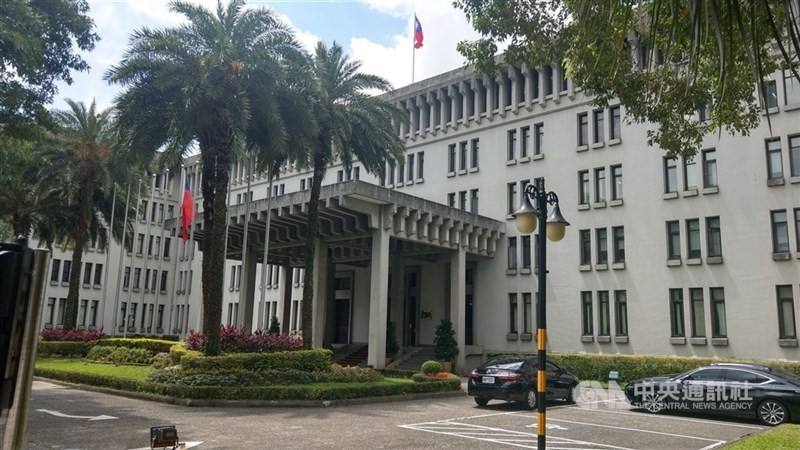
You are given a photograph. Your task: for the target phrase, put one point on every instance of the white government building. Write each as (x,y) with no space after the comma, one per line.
(686,257)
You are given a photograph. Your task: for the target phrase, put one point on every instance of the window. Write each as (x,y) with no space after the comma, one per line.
(55,270)
(585,238)
(526,252)
(166,247)
(511,151)
(583,187)
(462,200)
(693,238)
(794,156)
(87,273)
(473,201)
(713,237)
(770,93)
(618,236)
(160,320)
(512,253)
(170,211)
(83,310)
(719,327)
(126,280)
(774,159)
(598,120)
(462,155)
(525,143)
(791,88)
(475,150)
(676,313)
(603,314)
(689,174)
(98,274)
(356,172)
(698,312)
(164,274)
(564,80)
(511,189)
(140,244)
(62,306)
(586,313)
(339,178)
(451,161)
(527,313)
(786,325)
(615,129)
(451,199)
(621,313)
(410,167)
(600,184)
(709,168)
(538,138)
(66,272)
(548,80)
(512,313)
(602,246)
(616,182)
(421,165)
(673,240)
(137,275)
(780,231)
(797,227)
(583,129)
(93,313)
(50,311)
(670,175)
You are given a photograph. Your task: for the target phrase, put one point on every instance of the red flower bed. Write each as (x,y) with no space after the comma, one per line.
(234,340)
(60,334)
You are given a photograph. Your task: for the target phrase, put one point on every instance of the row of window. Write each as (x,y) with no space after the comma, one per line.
(600,182)
(598,126)
(697,312)
(154,247)
(693,244)
(524,249)
(514,312)
(55,309)
(690,180)
(780,230)
(270,311)
(601,247)
(462,155)
(523,146)
(511,192)
(405,171)
(462,200)
(149,318)
(185,278)
(60,270)
(156,211)
(604,314)
(353,173)
(791,90)
(150,278)
(774,148)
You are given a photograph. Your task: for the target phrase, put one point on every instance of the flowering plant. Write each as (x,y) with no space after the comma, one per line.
(234,340)
(60,334)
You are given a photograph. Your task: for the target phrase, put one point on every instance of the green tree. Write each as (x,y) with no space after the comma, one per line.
(40,41)
(204,83)
(445,345)
(352,124)
(663,60)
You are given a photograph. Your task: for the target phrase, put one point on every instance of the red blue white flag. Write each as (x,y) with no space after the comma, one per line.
(417,33)
(187,211)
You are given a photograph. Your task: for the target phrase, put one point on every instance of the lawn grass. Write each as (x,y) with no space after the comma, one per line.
(784,437)
(138,373)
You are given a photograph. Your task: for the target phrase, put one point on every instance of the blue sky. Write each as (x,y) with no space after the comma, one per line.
(376,32)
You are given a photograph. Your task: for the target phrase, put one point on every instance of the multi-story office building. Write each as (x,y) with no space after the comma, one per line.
(687,256)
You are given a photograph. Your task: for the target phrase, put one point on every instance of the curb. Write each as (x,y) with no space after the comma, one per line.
(254,403)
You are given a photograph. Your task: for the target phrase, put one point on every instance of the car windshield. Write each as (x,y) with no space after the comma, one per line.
(508,366)
(507,363)
(680,375)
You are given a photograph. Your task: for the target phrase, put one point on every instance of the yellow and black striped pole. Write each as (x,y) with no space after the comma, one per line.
(541,319)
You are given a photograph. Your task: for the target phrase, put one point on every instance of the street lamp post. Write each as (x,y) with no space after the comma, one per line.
(527,217)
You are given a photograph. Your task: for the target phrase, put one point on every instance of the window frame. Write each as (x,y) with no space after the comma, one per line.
(774,228)
(512,261)
(677,316)
(600,182)
(621,313)
(511,144)
(718,329)
(695,320)
(583,129)
(584,188)
(618,251)
(617,182)
(538,138)
(601,245)
(713,234)
(689,167)
(782,332)
(794,155)
(585,247)
(513,313)
(525,139)
(615,122)
(598,124)
(603,313)
(587,313)
(691,234)
(707,164)
(511,197)
(670,175)
(772,174)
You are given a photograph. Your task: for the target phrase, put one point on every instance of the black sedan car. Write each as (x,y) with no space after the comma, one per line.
(743,390)
(513,379)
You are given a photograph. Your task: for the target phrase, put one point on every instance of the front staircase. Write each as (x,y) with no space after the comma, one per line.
(352,355)
(413,358)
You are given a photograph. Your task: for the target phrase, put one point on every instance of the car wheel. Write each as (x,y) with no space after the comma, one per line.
(772,412)
(652,403)
(530,399)
(481,401)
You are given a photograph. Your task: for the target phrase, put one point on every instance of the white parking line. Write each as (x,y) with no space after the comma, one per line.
(685,419)
(638,430)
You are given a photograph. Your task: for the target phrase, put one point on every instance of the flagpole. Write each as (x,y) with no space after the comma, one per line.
(109,237)
(121,258)
(413,47)
(128,307)
(175,254)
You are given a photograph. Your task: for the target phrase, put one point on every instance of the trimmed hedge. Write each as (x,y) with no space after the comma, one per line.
(179,350)
(305,360)
(76,349)
(396,373)
(422,377)
(431,367)
(120,355)
(291,392)
(153,345)
(588,366)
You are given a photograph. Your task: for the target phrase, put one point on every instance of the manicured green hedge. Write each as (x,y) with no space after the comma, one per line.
(179,350)
(588,366)
(153,345)
(396,373)
(120,355)
(422,377)
(328,391)
(64,348)
(306,360)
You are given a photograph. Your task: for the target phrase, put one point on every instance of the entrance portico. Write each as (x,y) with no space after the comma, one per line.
(381,256)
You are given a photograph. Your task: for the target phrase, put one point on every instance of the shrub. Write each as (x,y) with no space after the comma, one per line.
(305,360)
(431,367)
(231,378)
(274,325)
(153,345)
(165,376)
(234,340)
(60,334)
(435,376)
(445,345)
(119,355)
(161,360)
(63,348)
(339,374)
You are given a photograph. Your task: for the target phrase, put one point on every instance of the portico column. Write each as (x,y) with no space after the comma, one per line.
(458,314)
(320,294)
(249,269)
(441,96)
(378,301)
(463,88)
(286,299)
(398,299)
(452,92)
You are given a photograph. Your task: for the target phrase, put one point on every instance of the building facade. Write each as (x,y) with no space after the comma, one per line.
(688,257)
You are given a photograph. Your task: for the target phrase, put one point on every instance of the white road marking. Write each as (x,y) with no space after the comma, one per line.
(709,447)
(70,416)
(189,444)
(686,419)
(638,430)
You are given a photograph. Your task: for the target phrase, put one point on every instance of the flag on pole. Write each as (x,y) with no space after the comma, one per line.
(187,211)
(417,33)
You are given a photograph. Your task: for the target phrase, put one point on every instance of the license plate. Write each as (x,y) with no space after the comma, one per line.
(487,380)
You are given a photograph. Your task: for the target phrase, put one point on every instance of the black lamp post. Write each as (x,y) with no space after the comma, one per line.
(554,225)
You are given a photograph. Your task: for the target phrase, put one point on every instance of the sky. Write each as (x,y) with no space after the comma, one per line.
(379,33)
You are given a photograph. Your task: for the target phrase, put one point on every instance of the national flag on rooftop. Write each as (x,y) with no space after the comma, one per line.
(187,211)
(417,33)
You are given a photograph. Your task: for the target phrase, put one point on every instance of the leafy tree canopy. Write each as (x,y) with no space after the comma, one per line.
(39,45)
(663,60)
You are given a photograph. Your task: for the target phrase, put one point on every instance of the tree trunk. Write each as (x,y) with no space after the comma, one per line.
(215,149)
(71,310)
(20,225)
(313,232)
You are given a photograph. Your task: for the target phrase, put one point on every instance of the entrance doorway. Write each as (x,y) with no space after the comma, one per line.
(343,308)
(469,307)
(411,306)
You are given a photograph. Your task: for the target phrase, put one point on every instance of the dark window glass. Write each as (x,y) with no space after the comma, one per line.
(475,151)
(693,238)
(673,240)
(512,313)
(603,314)
(707,375)
(670,175)
(616,182)
(598,117)
(600,184)
(689,174)
(512,253)
(621,312)
(713,236)
(525,143)
(526,252)
(583,187)
(710,168)
(615,130)
(774,159)
(586,313)
(538,138)
(786,323)
(511,150)
(451,161)
(527,313)
(602,246)
(698,312)
(780,231)
(586,247)
(462,155)
(719,328)
(512,197)
(583,129)
(618,235)
(676,312)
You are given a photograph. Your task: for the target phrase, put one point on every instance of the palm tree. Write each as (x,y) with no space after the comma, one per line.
(203,83)
(81,169)
(24,199)
(352,124)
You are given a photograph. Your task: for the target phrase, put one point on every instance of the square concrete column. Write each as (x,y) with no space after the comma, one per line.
(378,298)
(441,96)
(458,314)
(501,81)
(247,294)
(463,88)
(479,100)
(452,92)
(320,281)
(285,305)
(397,295)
